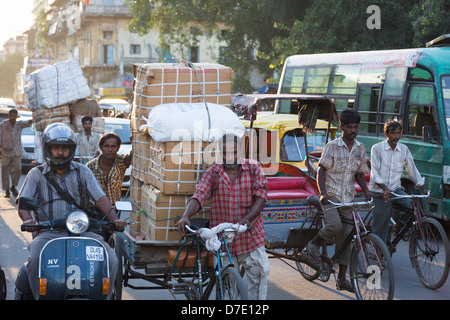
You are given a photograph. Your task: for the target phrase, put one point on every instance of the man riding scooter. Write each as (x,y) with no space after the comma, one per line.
(54,184)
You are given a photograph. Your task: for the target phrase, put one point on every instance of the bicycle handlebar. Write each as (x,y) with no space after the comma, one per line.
(399,196)
(350,204)
(219,230)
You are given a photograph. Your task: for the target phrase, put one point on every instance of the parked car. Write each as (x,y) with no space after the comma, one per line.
(7,103)
(28,160)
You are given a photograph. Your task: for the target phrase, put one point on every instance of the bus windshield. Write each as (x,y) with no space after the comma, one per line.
(446,98)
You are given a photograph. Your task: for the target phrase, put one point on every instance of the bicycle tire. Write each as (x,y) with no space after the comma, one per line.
(430,261)
(233,286)
(2,285)
(192,292)
(305,269)
(118,284)
(371,269)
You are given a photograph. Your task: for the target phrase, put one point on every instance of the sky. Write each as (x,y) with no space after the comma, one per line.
(15,18)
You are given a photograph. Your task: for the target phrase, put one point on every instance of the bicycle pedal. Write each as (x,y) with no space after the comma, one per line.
(180,288)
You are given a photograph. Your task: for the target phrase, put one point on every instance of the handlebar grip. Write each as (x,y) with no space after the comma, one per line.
(25,227)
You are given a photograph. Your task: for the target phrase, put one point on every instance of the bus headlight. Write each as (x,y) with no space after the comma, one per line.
(77,222)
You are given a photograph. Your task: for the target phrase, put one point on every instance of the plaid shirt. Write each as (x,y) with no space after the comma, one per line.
(16,133)
(231,202)
(342,165)
(111,184)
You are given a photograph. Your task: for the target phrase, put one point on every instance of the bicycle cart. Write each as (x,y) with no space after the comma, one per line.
(183,267)
(370,267)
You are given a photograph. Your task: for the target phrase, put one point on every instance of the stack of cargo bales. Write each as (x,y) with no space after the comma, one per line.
(43,117)
(50,91)
(160,83)
(56,85)
(87,107)
(170,165)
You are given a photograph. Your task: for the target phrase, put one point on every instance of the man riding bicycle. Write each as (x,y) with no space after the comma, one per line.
(387,161)
(343,160)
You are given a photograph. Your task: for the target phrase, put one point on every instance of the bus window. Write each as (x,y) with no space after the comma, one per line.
(318,79)
(420,74)
(372,75)
(368,99)
(421,111)
(395,81)
(390,111)
(293,80)
(446,98)
(345,79)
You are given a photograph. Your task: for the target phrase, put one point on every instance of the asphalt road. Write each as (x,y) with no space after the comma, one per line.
(285,282)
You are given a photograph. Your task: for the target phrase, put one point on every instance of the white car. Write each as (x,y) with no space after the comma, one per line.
(28,160)
(7,103)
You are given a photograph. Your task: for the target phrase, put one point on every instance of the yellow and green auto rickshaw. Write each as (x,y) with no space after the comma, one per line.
(275,138)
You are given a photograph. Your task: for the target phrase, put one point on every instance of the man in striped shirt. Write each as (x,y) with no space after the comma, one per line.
(238,188)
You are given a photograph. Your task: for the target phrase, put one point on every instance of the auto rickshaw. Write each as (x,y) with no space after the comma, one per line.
(296,140)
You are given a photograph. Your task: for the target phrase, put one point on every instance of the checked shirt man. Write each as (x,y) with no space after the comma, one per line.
(109,168)
(238,189)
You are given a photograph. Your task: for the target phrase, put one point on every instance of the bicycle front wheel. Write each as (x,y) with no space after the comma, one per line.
(428,251)
(233,287)
(371,269)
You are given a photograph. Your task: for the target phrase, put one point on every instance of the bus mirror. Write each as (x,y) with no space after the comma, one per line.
(426,133)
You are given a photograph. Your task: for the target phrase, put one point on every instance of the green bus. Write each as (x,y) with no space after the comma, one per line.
(408,85)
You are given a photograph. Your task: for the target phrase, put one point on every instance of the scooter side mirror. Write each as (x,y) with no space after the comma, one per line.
(26,203)
(123,206)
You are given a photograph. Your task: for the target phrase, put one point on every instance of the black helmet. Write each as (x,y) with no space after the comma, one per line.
(58,134)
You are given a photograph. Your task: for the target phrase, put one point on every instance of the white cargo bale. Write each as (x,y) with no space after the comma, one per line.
(192,122)
(56,85)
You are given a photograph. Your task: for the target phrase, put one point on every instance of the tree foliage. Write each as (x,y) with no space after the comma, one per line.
(265,32)
(8,70)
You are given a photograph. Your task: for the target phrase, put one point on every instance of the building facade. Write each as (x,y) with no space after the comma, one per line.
(95,32)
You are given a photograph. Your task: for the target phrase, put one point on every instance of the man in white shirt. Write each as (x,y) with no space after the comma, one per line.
(87,141)
(387,161)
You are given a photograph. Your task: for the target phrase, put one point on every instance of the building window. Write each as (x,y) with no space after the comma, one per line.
(108,54)
(108,2)
(108,35)
(194,54)
(135,49)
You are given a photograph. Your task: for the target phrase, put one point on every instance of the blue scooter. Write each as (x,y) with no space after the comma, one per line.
(72,267)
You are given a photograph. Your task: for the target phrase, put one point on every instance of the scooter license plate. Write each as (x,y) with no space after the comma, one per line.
(94,253)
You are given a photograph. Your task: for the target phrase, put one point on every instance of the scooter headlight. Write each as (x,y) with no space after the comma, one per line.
(77,222)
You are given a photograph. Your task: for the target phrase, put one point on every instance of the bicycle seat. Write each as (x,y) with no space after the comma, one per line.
(198,223)
(315,202)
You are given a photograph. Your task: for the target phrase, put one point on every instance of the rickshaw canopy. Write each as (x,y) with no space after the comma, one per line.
(310,107)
